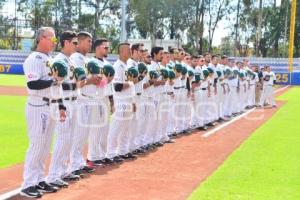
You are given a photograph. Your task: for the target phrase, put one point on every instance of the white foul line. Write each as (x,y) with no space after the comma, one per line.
(211,132)
(10,194)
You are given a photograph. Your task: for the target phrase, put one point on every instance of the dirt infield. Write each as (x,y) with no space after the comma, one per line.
(171,172)
(13,90)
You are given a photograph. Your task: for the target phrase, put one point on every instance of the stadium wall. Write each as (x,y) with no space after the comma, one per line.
(11,62)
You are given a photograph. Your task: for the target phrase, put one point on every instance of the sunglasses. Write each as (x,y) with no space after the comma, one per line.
(74,42)
(52,39)
(148,57)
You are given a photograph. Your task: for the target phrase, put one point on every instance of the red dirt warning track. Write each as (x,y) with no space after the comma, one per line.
(171,172)
(13,90)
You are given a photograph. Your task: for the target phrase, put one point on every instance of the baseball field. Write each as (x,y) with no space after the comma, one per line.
(254,157)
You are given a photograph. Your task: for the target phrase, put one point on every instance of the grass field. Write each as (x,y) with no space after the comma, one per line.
(12,80)
(266,166)
(13,138)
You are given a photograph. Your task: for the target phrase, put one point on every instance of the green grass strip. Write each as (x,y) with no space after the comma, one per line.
(13,136)
(266,166)
(12,80)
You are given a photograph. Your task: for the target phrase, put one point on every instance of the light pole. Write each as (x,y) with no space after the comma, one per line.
(15,29)
(123,21)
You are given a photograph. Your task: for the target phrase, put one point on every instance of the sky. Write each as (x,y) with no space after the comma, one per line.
(222,29)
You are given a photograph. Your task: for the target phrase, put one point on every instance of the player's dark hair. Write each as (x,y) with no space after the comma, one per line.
(136,46)
(67,35)
(122,44)
(83,34)
(172,50)
(155,51)
(99,42)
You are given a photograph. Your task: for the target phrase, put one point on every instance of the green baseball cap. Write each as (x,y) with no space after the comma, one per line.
(184,70)
(191,73)
(171,74)
(210,70)
(93,67)
(61,68)
(178,67)
(79,74)
(108,70)
(205,73)
(164,73)
(142,68)
(153,74)
(132,72)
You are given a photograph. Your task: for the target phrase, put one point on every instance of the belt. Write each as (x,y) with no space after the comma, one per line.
(87,96)
(252,84)
(200,89)
(70,98)
(52,100)
(168,93)
(177,88)
(139,94)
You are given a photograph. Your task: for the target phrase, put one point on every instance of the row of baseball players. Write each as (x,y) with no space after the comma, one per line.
(152,96)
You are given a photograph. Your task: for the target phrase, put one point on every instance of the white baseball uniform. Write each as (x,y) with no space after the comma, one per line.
(40,117)
(98,133)
(268,92)
(64,130)
(84,113)
(119,130)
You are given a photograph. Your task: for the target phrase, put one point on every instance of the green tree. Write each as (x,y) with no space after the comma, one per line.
(149,16)
(217,10)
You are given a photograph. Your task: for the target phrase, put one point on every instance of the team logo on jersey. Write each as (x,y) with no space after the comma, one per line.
(39,57)
(32,76)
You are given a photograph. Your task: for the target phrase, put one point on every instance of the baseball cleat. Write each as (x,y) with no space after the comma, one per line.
(87,169)
(31,192)
(44,187)
(71,177)
(59,183)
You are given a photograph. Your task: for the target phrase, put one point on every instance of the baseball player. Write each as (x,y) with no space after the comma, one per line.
(188,107)
(233,85)
(169,97)
(159,89)
(137,53)
(268,82)
(142,115)
(98,136)
(43,104)
(242,87)
(165,98)
(213,82)
(58,169)
(124,92)
(252,86)
(86,100)
(146,57)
